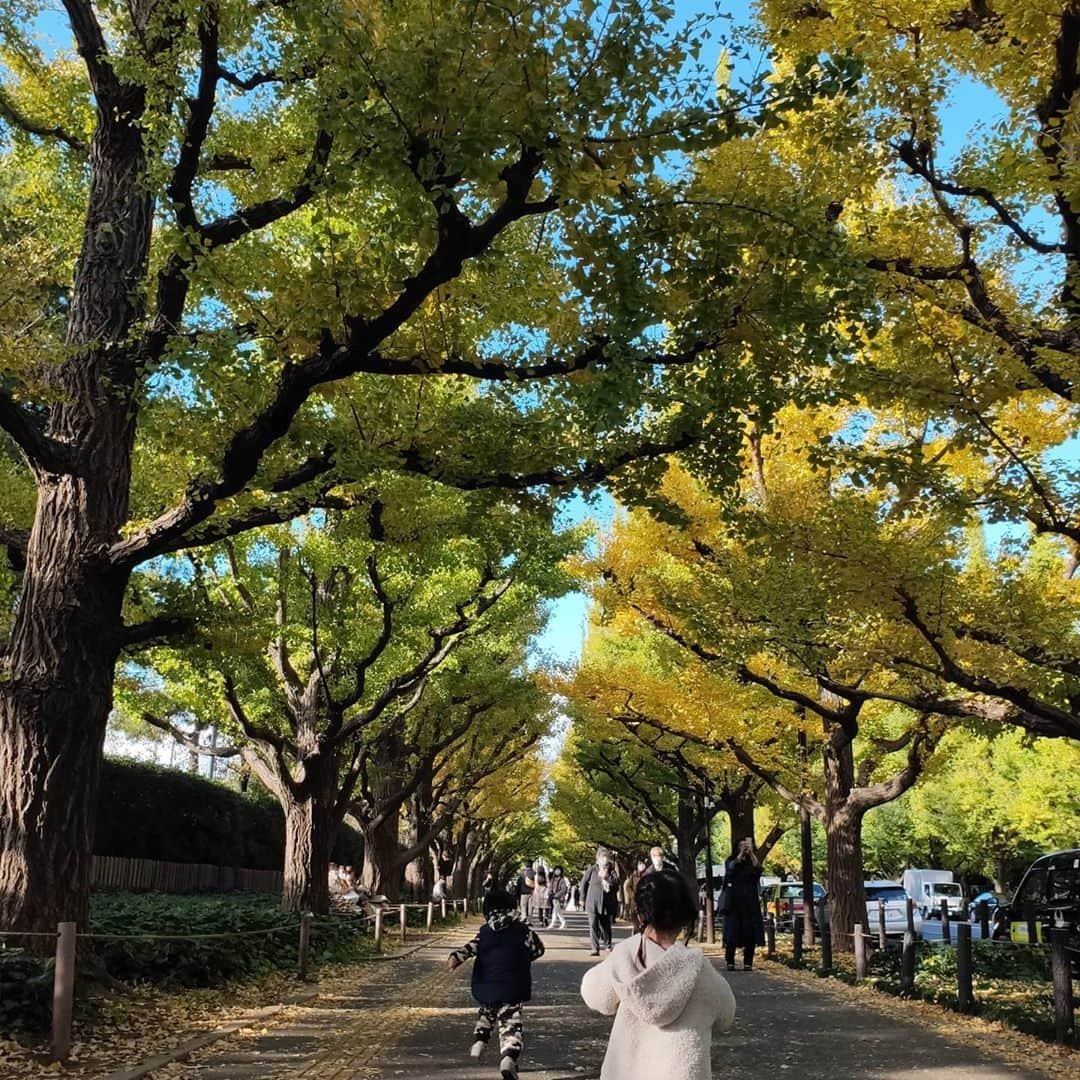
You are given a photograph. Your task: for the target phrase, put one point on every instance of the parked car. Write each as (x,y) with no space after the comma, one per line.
(993,902)
(894,897)
(785,900)
(927,888)
(1050,892)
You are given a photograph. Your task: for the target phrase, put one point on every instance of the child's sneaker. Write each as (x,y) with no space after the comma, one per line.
(509,1069)
(477,1049)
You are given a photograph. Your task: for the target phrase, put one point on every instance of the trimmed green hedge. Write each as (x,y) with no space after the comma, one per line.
(151,812)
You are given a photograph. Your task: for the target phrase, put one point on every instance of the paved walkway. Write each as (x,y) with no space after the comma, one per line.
(413,1018)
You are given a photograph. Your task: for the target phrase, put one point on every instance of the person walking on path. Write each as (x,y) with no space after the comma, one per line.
(523,888)
(743,924)
(659,861)
(600,898)
(666,998)
(559,891)
(504,948)
(539,905)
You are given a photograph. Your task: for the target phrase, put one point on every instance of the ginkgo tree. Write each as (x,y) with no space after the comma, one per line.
(277,246)
(628,676)
(353,660)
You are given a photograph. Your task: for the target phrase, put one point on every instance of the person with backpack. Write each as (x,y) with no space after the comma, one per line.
(504,948)
(667,998)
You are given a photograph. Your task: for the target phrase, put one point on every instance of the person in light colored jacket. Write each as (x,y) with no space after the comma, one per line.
(666,998)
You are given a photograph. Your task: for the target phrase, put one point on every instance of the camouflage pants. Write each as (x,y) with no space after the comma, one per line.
(508,1017)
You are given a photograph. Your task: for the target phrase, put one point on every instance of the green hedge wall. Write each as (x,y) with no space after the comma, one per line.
(151,812)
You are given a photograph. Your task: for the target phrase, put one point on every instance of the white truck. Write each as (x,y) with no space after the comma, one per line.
(927,888)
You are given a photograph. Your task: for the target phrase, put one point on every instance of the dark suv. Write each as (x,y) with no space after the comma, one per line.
(1050,894)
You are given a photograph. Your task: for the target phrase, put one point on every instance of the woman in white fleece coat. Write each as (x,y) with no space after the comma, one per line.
(666,998)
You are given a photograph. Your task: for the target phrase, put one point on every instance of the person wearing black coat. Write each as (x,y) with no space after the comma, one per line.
(600,898)
(743,925)
(504,948)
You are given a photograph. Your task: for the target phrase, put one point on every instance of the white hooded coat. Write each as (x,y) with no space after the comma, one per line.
(664,1012)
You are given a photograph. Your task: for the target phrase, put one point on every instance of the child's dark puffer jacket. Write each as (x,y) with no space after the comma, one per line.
(504,949)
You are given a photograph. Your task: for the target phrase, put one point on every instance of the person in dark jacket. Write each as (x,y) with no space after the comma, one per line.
(743,925)
(600,897)
(505,948)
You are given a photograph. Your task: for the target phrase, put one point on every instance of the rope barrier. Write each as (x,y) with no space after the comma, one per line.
(28,933)
(188,937)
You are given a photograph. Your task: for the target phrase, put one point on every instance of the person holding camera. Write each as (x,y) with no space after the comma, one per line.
(743,925)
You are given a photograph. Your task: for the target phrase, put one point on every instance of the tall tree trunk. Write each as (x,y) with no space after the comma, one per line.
(309,804)
(843,836)
(740,812)
(55,698)
(309,831)
(56,677)
(382,870)
(459,879)
(689,838)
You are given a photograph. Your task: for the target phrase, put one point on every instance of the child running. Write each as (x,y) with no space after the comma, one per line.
(504,948)
(666,997)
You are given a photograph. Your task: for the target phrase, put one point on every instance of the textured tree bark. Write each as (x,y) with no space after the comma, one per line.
(843,837)
(690,837)
(382,868)
(56,677)
(309,832)
(740,812)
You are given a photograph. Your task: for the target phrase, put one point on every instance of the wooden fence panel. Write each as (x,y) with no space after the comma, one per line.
(115,872)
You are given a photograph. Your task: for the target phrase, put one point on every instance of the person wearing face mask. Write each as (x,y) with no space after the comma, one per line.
(658,861)
(600,897)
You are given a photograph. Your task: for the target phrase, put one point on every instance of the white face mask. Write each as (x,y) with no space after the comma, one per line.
(658,862)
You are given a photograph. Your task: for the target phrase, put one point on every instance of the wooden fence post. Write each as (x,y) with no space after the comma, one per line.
(1061,972)
(797,929)
(403,916)
(946,931)
(444,909)
(907,963)
(430,914)
(965,997)
(305,945)
(378,928)
(860,953)
(770,937)
(825,933)
(883,937)
(63,990)
(984,920)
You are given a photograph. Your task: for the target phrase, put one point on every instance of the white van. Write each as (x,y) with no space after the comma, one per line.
(927,888)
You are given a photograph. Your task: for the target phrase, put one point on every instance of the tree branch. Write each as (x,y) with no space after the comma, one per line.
(42,453)
(10,111)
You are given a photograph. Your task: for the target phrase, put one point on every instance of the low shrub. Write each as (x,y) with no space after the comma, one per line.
(248,936)
(25,992)
(238,936)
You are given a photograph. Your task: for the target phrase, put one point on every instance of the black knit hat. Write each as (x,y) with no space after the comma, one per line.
(498,900)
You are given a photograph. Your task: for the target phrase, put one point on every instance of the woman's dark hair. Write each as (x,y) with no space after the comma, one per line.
(498,899)
(665,901)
